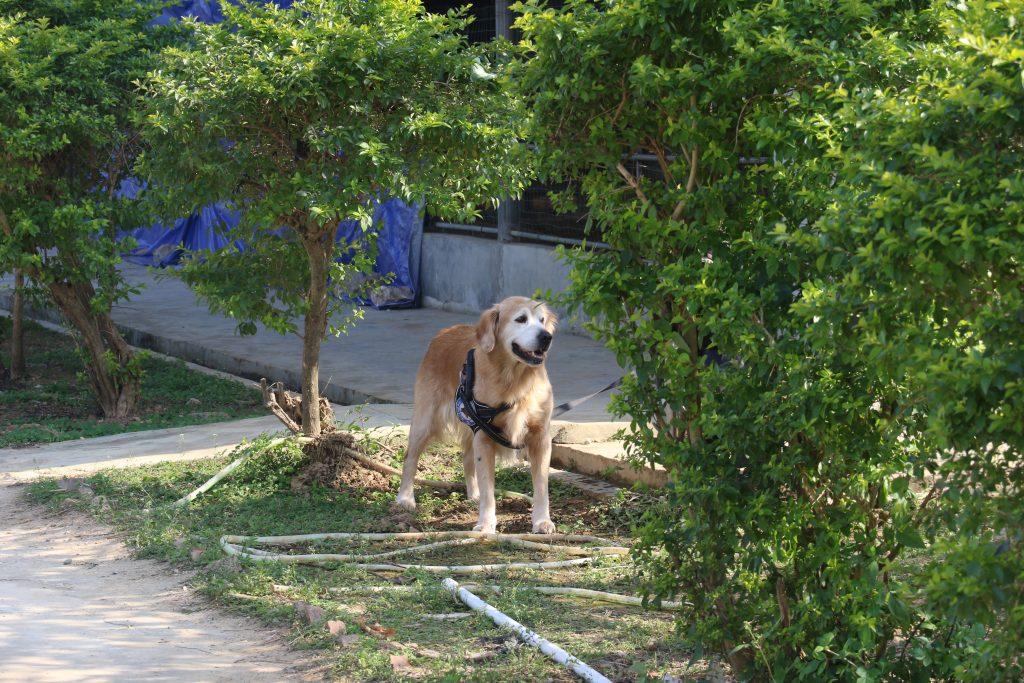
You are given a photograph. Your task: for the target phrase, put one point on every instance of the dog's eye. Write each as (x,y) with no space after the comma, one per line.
(542,321)
(521,319)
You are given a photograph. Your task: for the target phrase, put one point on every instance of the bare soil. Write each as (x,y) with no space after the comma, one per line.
(75,606)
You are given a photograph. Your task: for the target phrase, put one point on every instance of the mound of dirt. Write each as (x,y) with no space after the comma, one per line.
(329,466)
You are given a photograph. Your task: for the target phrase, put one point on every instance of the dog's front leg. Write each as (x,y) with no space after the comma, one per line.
(469,467)
(483,452)
(538,443)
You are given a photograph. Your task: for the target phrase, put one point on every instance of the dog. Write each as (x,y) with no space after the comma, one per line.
(507,349)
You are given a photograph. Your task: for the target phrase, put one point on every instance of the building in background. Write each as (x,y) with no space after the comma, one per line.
(510,249)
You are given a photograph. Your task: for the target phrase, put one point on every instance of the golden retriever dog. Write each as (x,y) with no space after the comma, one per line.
(510,344)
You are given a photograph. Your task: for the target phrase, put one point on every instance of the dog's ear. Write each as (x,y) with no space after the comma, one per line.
(487,329)
(550,319)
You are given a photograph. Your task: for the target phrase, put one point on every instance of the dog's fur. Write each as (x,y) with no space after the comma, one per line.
(511,341)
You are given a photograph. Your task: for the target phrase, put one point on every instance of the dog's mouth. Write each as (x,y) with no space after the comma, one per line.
(529,357)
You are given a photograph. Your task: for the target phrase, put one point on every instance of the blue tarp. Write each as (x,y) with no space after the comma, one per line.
(399,224)
(205,230)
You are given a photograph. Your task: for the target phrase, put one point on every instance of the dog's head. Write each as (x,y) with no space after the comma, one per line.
(520,327)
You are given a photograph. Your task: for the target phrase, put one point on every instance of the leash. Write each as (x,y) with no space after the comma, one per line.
(563,408)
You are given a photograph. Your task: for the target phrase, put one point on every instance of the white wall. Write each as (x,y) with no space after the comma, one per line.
(467,274)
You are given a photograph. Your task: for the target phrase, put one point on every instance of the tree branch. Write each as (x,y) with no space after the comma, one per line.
(270,402)
(632,181)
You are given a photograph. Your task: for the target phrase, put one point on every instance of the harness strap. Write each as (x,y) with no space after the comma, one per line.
(480,416)
(474,414)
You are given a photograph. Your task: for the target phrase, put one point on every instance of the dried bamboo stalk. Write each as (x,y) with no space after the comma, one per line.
(322,558)
(417,535)
(529,637)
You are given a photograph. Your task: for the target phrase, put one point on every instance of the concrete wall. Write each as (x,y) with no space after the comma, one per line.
(467,274)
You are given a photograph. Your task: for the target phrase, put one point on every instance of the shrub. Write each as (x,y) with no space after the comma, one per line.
(922,250)
(67,141)
(302,117)
(791,502)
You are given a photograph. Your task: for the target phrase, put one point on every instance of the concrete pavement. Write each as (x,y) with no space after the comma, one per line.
(375,363)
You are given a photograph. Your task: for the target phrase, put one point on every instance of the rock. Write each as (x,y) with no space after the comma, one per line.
(193,401)
(70,483)
(400,663)
(227,565)
(336,627)
(196,553)
(347,640)
(311,614)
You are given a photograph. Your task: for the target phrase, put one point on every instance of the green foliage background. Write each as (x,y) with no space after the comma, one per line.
(328,105)
(861,279)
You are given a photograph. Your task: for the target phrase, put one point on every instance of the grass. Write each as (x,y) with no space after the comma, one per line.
(54,402)
(263,498)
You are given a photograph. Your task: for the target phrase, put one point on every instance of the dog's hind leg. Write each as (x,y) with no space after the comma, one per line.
(469,466)
(538,444)
(421,434)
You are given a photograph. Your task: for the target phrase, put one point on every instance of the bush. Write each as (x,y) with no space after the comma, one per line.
(327,107)
(923,248)
(67,139)
(797,510)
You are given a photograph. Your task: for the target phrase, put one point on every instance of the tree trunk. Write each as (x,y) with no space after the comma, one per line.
(110,365)
(319,247)
(18,330)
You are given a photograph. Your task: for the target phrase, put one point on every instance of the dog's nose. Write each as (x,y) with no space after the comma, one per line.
(544,340)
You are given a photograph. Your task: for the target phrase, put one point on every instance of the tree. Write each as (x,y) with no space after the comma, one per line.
(67,141)
(305,116)
(789,500)
(924,246)
(18,328)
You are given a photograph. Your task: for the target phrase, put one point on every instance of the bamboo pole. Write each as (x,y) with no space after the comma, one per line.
(292,539)
(225,471)
(242,547)
(600,596)
(529,637)
(354,560)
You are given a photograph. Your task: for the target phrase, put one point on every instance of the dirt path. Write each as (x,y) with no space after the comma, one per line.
(74,606)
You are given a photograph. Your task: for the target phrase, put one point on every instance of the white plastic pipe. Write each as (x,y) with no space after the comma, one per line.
(551,650)
(228,469)
(210,483)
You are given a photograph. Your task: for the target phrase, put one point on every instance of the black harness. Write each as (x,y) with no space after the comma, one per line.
(475,415)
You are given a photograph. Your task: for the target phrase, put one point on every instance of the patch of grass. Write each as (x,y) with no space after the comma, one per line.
(55,403)
(623,642)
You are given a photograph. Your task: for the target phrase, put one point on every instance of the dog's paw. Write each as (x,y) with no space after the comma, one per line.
(544,526)
(406,503)
(487,528)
